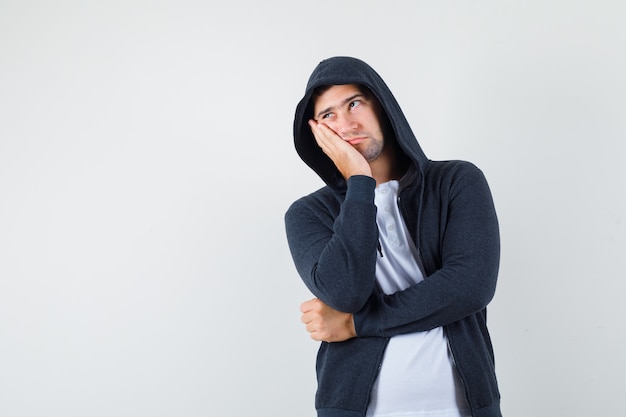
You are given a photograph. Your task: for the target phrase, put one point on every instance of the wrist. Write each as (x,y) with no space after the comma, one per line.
(360,186)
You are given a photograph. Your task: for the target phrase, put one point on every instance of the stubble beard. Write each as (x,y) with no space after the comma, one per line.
(373,149)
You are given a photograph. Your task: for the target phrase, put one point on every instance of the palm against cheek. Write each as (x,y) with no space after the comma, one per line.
(327,139)
(346,158)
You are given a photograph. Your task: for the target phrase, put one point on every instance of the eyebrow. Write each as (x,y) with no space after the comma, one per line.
(346,101)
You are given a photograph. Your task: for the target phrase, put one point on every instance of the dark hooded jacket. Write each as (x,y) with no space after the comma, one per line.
(333,239)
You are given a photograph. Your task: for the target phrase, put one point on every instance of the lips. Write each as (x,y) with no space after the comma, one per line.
(356,141)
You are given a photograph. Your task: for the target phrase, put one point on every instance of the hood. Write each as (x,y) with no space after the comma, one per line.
(348,70)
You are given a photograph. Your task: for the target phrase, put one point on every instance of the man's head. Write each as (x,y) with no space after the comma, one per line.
(395,132)
(354,114)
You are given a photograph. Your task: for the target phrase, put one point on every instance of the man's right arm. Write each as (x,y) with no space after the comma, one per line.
(336,256)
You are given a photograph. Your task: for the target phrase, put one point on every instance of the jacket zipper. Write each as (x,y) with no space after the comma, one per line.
(458,370)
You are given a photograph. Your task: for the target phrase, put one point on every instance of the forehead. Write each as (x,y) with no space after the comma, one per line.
(335,95)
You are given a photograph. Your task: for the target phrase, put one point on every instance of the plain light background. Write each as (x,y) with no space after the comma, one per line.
(146,162)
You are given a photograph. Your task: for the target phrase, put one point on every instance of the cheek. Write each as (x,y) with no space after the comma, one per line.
(331,125)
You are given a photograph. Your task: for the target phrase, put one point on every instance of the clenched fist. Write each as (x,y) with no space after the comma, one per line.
(326,324)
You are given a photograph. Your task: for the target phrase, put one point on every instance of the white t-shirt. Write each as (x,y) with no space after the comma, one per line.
(417,376)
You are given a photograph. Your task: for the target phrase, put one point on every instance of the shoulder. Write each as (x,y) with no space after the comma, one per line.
(319,200)
(451,167)
(455,177)
(453,171)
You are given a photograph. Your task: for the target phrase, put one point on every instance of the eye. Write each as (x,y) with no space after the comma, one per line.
(326,116)
(355,103)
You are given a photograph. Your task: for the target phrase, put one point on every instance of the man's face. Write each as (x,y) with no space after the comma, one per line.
(353,116)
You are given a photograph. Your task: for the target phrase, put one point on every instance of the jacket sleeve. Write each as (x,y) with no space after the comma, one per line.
(335,254)
(461,248)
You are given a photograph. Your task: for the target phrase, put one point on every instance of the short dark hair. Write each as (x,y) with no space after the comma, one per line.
(319,90)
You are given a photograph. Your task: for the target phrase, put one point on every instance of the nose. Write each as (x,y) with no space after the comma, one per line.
(346,124)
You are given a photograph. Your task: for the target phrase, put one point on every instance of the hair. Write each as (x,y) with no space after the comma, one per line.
(319,90)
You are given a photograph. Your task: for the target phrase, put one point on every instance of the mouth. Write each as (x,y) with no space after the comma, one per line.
(356,141)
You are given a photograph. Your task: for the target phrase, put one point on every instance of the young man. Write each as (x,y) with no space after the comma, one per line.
(400,252)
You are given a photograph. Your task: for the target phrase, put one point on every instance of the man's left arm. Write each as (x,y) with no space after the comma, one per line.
(464,284)
(466,281)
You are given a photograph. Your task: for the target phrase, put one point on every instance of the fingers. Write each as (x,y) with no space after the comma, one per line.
(308,305)
(311,317)
(331,143)
(346,158)
(325,137)
(310,311)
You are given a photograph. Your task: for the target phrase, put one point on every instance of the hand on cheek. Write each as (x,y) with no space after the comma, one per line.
(346,158)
